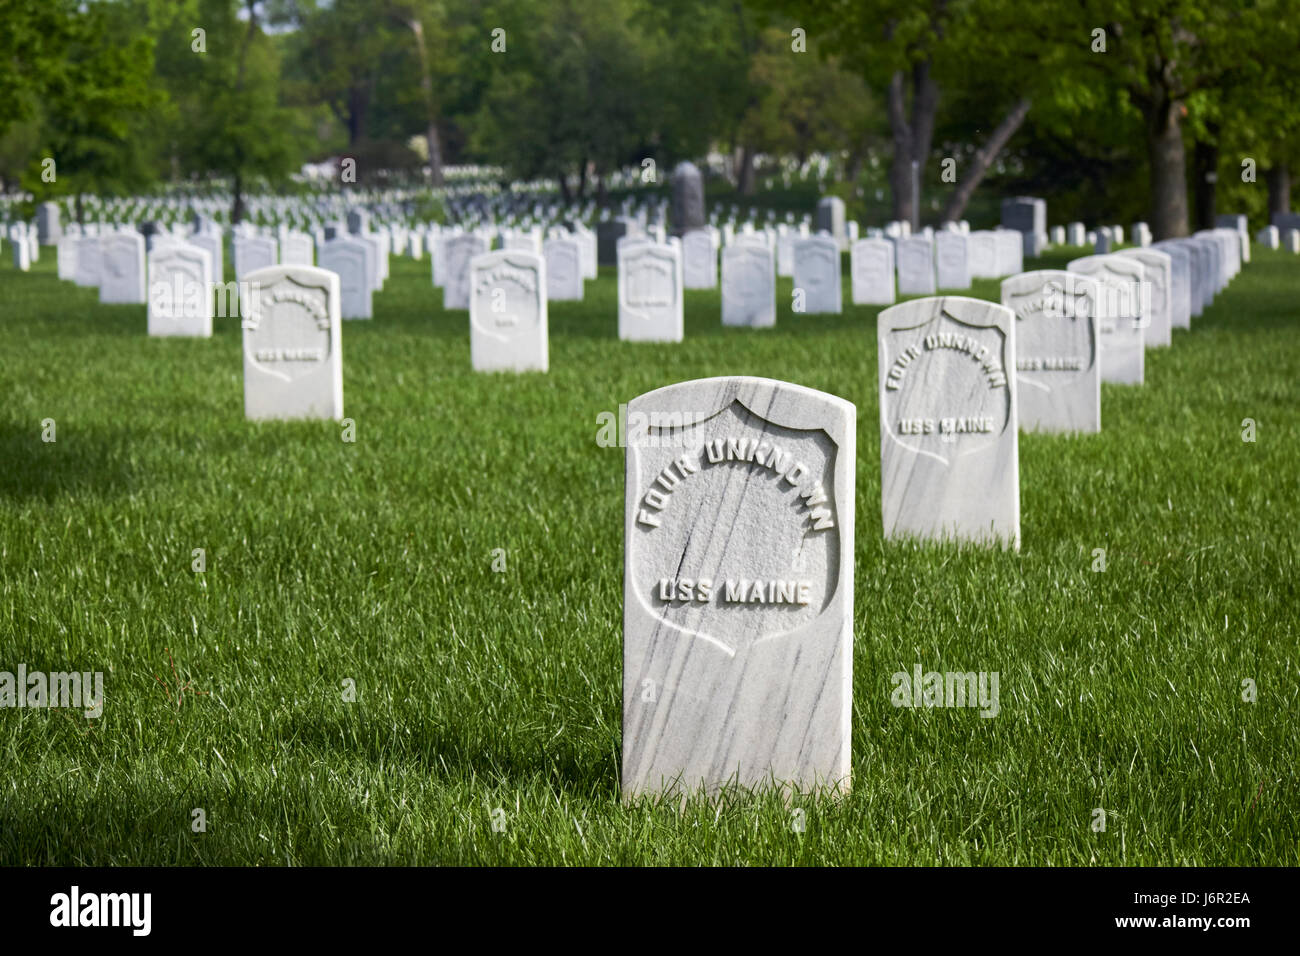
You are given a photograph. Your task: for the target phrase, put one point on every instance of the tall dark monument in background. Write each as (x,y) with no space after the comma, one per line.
(687,211)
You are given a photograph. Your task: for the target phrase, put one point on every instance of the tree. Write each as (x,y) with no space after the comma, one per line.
(916,51)
(570,92)
(1166,59)
(96,108)
(232,122)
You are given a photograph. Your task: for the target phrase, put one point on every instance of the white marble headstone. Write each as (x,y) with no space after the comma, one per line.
(293,363)
(563,270)
(1058,374)
(1159,276)
(1011,252)
(1121,324)
(349,256)
(738,589)
(180,290)
(507,312)
(649,292)
(748,286)
(252,253)
(982,254)
(699,260)
(951,261)
(122,268)
(1180,295)
(871,267)
(90,261)
(66,256)
(212,243)
(456,254)
(297,249)
(948,427)
(916,265)
(785,254)
(817,273)
(22,253)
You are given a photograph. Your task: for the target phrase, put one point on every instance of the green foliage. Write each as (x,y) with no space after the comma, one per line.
(232,120)
(95,107)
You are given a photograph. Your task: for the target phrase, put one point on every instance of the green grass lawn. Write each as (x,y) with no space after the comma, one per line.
(479,691)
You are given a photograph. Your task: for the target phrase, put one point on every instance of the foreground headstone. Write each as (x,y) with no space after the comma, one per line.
(748,286)
(1058,375)
(948,445)
(871,265)
(122,268)
(1120,318)
(817,274)
(349,257)
(738,589)
(293,363)
(649,293)
(507,312)
(180,290)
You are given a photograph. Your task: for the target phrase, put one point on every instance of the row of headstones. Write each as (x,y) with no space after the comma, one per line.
(507,292)
(508,317)
(739,507)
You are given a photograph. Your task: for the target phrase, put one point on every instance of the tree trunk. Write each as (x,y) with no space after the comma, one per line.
(81,211)
(358,97)
(1205,174)
(1168,162)
(430,112)
(565,192)
(1278,178)
(582,179)
(912,134)
(970,178)
(745,175)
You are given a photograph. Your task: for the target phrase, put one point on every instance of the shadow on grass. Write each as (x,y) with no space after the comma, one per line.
(76,462)
(577,765)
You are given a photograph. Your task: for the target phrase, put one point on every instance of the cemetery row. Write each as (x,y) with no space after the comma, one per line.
(739,510)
